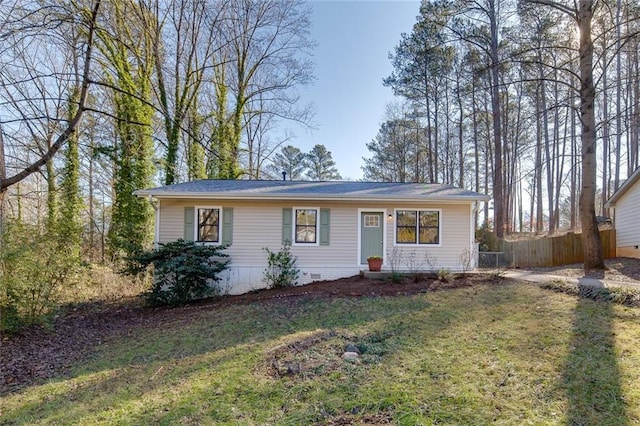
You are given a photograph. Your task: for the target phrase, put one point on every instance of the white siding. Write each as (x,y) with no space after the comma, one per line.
(455,240)
(627,218)
(259,224)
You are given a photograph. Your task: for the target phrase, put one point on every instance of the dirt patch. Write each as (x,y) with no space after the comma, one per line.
(38,353)
(306,357)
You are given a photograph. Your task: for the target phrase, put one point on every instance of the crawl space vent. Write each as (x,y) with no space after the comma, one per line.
(315,276)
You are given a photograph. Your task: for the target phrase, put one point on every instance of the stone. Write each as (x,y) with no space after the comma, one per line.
(350,347)
(350,356)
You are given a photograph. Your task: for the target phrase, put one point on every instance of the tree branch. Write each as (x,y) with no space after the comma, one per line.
(55,147)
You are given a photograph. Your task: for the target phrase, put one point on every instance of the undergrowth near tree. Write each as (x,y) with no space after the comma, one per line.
(33,273)
(619,295)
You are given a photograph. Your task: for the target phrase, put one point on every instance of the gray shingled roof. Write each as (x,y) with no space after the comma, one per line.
(311,190)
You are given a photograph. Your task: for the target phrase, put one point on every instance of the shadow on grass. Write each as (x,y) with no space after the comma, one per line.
(215,352)
(591,375)
(194,343)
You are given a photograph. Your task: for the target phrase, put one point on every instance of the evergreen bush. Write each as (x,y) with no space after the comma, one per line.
(183,271)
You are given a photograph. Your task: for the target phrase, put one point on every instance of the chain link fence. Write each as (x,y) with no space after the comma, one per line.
(496,259)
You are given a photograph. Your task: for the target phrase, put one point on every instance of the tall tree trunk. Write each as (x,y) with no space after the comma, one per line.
(498,186)
(52,200)
(429,142)
(476,148)
(634,101)
(3,190)
(488,163)
(91,201)
(560,164)
(447,168)
(591,243)
(616,176)
(538,164)
(573,188)
(69,220)
(436,132)
(460,136)
(605,131)
(548,160)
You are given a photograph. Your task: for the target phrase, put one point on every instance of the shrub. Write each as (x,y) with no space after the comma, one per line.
(33,271)
(281,268)
(183,271)
(394,257)
(444,275)
(396,277)
(414,265)
(467,258)
(486,239)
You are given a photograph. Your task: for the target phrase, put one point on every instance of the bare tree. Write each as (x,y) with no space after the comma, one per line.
(265,56)
(183,47)
(29,36)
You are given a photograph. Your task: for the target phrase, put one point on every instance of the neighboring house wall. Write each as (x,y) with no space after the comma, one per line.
(627,223)
(258,224)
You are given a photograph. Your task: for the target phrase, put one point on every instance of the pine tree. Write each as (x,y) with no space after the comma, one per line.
(320,164)
(289,160)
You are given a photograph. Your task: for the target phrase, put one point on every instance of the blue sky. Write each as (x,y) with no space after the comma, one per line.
(354,39)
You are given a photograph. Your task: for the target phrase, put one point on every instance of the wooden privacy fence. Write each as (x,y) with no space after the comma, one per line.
(555,251)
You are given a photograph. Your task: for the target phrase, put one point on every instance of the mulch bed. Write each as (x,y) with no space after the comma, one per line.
(38,353)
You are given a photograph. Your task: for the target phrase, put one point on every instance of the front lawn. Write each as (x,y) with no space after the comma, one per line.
(504,354)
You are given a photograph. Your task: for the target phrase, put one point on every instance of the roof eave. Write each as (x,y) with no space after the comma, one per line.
(304,197)
(611,202)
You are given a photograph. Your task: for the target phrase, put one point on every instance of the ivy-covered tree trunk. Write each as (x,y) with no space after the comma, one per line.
(131,226)
(220,164)
(52,202)
(3,191)
(69,222)
(195,152)
(130,57)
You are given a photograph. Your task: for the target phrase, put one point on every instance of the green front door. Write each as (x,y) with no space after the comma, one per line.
(371,235)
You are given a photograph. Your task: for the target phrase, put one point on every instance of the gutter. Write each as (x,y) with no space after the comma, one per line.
(305,197)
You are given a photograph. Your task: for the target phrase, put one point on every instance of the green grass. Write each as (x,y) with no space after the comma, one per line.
(512,354)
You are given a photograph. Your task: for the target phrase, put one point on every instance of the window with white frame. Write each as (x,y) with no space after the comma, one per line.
(208,224)
(371,221)
(306,225)
(417,226)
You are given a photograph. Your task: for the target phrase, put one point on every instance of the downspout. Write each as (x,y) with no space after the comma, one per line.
(156,228)
(473,252)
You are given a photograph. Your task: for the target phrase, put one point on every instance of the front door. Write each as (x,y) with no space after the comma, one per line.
(371,235)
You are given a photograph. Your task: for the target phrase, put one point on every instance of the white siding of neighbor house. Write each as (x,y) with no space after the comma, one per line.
(627,222)
(258,224)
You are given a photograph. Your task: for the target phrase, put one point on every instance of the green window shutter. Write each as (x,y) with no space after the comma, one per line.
(227,225)
(324,227)
(189,214)
(287,225)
